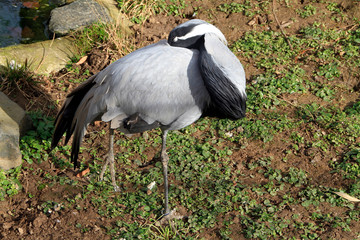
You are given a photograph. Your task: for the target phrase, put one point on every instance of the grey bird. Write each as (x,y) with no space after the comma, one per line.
(169,84)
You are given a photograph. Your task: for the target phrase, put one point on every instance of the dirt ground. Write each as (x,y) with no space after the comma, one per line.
(19,219)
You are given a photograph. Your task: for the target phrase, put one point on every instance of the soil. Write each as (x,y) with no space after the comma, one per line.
(19,219)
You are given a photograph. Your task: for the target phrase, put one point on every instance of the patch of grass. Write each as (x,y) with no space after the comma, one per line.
(15,74)
(17,77)
(91,37)
(171,7)
(234,7)
(111,37)
(248,8)
(36,144)
(334,121)
(138,11)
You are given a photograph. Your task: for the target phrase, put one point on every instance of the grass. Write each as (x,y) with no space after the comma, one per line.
(15,75)
(256,177)
(138,11)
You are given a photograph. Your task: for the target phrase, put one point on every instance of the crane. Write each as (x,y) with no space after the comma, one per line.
(167,85)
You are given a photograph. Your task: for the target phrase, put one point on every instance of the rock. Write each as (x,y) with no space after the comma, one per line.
(8,225)
(44,57)
(39,220)
(13,120)
(16,113)
(21,231)
(77,15)
(60,2)
(10,155)
(116,14)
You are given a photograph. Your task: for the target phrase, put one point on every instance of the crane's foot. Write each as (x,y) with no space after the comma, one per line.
(173,214)
(112,172)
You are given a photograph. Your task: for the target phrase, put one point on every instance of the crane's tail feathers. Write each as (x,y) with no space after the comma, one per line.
(79,124)
(65,118)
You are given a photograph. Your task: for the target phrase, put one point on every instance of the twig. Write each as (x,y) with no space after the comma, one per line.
(301,53)
(42,59)
(281,29)
(52,40)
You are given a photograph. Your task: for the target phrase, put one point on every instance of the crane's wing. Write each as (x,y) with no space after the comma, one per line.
(159,82)
(224,77)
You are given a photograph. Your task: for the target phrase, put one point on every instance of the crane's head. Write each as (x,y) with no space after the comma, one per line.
(187,34)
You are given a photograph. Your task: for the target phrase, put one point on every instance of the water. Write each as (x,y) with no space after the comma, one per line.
(23,21)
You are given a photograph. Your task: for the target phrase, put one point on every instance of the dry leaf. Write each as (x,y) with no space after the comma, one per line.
(286,24)
(347,197)
(82,60)
(83,173)
(151,185)
(253,21)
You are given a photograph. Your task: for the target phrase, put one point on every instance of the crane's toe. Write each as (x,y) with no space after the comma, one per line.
(116,188)
(110,161)
(173,214)
(101,176)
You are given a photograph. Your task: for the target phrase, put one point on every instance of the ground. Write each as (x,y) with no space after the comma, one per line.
(273,174)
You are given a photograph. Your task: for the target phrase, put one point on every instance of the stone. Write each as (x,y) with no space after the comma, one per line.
(10,155)
(118,17)
(16,113)
(44,57)
(77,15)
(13,120)
(60,2)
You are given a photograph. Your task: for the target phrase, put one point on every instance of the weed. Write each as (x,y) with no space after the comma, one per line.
(98,35)
(50,206)
(307,11)
(9,182)
(16,76)
(350,163)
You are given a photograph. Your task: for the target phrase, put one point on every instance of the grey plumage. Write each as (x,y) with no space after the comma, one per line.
(169,84)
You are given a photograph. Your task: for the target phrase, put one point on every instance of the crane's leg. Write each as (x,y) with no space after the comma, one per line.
(164,161)
(168,214)
(110,160)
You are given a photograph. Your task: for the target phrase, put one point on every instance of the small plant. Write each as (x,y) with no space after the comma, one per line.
(15,75)
(232,7)
(350,163)
(307,11)
(49,207)
(35,143)
(9,182)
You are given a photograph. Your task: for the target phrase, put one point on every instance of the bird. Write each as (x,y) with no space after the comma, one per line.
(168,85)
